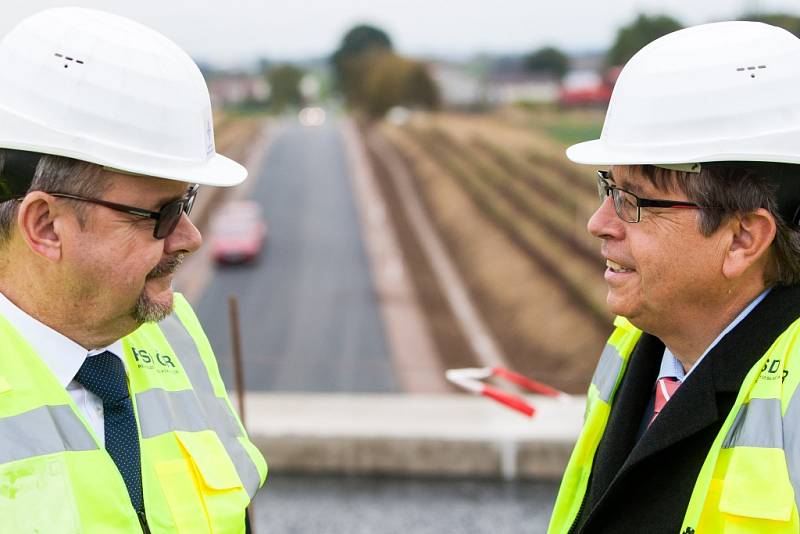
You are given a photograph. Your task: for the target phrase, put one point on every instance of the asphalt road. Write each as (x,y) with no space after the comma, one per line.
(343,505)
(309,317)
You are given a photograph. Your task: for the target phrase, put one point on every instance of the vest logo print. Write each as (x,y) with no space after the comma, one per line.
(160,363)
(771,369)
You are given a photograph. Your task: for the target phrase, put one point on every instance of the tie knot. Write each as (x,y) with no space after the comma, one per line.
(665,389)
(104,375)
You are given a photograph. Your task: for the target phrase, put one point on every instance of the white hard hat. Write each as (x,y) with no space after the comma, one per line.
(728,91)
(101,88)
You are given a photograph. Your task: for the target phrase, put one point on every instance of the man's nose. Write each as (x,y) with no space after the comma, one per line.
(185,238)
(604,222)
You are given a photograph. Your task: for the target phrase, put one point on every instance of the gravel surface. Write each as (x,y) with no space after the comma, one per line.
(333,505)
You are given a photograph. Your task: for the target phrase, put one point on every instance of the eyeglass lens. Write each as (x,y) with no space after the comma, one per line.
(626,204)
(170,215)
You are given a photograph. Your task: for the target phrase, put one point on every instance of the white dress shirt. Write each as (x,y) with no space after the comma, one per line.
(672,367)
(64,357)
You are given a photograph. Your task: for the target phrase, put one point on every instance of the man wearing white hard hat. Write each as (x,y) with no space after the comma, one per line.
(113,415)
(693,414)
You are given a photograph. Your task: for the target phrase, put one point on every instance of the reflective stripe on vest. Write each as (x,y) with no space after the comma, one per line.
(182,410)
(610,368)
(791,443)
(758,424)
(43,430)
(47,446)
(607,373)
(216,410)
(750,481)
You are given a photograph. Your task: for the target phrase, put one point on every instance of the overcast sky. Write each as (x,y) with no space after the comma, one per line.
(228,32)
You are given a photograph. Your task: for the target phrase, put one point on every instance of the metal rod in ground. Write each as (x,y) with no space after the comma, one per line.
(236,346)
(238,374)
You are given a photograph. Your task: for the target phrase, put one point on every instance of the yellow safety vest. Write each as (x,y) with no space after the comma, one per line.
(199,469)
(748,479)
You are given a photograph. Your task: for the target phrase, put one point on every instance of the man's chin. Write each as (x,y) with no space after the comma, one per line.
(151,306)
(618,305)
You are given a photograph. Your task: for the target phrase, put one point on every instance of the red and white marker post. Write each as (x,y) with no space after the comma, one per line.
(471,378)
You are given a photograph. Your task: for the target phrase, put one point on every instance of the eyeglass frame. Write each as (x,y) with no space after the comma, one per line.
(605,189)
(186,203)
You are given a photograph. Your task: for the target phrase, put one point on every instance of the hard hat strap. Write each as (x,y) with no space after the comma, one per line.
(683,167)
(784,177)
(19,169)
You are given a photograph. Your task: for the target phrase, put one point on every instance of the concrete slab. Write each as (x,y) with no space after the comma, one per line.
(413,435)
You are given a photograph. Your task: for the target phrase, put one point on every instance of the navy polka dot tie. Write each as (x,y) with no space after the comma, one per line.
(104,375)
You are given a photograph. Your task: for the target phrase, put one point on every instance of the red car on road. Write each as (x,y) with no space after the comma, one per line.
(238,232)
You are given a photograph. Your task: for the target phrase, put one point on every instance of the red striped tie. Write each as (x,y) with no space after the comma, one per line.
(665,389)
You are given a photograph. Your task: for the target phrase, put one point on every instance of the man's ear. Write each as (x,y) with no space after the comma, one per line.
(39,224)
(752,235)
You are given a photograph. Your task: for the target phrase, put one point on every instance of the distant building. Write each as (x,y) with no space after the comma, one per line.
(458,86)
(586,87)
(497,81)
(508,82)
(588,60)
(233,89)
(510,88)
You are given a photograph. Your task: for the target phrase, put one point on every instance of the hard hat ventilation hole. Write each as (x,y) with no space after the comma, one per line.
(752,67)
(67,58)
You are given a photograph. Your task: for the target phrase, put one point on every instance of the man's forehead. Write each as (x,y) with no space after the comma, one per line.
(633,179)
(149,184)
(626,177)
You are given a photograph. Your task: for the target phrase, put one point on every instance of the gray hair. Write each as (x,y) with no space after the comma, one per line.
(56,174)
(738,188)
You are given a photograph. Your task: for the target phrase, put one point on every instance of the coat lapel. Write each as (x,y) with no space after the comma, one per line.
(702,401)
(692,408)
(695,405)
(630,402)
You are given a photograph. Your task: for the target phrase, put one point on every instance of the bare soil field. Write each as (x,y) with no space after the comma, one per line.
(512,212)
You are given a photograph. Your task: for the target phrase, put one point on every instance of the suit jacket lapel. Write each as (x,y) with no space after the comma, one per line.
(630,401)
(692,408)
(707,398)
(695,406)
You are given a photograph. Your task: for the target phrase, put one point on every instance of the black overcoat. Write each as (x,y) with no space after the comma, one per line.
(643,486)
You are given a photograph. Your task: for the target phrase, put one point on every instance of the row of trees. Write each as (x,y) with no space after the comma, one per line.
(632,37)
(373,78)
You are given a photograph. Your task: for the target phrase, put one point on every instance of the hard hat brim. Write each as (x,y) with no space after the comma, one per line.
(218,171)
(97,87)
(600,152)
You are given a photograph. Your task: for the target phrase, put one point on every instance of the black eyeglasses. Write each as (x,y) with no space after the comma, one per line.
(628,206)
(166,218)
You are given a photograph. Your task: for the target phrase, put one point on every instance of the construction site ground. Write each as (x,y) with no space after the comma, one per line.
(542,333)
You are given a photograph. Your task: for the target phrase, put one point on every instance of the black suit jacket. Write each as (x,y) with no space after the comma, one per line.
(644,486)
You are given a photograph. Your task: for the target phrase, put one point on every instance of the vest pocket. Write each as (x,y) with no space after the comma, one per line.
(756,490)
(36,496)
(203,489)
(177,481)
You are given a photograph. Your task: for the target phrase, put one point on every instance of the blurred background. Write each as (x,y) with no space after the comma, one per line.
(409,211)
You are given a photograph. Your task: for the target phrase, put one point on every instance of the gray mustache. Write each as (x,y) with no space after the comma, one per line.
(167,266)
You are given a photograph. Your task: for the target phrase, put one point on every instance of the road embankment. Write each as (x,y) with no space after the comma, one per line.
(413,435)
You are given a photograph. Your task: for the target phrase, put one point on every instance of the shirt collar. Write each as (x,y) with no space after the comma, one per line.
(62,355)
(670,365)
